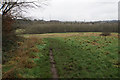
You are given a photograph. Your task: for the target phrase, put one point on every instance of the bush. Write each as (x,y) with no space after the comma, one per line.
(105,34)
(8,33)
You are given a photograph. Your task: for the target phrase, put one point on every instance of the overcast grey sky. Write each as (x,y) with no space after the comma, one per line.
(77,10)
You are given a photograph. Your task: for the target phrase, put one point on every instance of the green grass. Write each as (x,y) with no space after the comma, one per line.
(42,68)
(86,56)
(77,55)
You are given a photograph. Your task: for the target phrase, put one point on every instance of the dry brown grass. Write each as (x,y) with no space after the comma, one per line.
(10,73)
(0,66)
(22,56)
(52,35)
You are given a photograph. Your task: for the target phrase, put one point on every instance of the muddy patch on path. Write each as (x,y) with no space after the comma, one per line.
(53,68)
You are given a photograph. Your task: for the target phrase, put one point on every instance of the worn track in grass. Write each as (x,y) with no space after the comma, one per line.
(53,68)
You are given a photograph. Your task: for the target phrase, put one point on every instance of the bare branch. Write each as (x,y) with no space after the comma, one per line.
(19,6)
(9,8)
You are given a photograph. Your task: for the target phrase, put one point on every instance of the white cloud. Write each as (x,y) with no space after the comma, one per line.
(71,10)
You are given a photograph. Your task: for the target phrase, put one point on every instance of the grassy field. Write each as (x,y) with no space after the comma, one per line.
(77,55)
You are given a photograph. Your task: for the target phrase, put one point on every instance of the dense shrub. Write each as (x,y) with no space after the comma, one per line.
(8,34)
(105,34)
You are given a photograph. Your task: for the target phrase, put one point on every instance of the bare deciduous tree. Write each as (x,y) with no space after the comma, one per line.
(18,6)
(13,9)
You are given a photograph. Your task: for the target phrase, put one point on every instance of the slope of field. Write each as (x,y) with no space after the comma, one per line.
(76,55)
